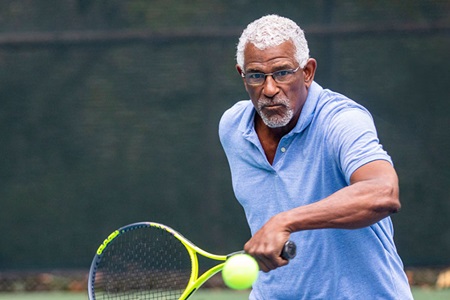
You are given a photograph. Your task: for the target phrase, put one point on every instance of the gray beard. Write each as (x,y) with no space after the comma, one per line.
(275,120)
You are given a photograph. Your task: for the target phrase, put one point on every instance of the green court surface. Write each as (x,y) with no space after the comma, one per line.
(431,294)
(419,294)
(199,295)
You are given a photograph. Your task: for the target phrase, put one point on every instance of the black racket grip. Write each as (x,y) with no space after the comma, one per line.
(289,250)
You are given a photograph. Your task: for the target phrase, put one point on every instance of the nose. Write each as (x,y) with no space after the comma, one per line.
(270,87)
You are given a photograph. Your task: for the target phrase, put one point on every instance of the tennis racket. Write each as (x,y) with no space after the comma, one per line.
(152,261)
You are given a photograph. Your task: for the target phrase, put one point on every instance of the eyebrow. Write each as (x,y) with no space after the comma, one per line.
(276,68)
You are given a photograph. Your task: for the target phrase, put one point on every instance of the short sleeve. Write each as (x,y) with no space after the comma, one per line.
(353,140)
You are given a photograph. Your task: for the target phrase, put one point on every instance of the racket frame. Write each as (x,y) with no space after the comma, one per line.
(195,281)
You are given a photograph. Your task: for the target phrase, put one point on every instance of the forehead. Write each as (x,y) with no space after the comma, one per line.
(283,54)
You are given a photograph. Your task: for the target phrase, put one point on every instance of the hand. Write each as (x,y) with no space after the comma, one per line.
(267,244)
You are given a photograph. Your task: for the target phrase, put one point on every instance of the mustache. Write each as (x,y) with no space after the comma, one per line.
(264,101)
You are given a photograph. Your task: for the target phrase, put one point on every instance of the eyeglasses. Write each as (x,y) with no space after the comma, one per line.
(282,76)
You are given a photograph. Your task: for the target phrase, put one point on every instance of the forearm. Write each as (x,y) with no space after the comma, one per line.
(358,205)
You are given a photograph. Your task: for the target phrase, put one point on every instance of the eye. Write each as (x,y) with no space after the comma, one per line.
(255,75)
(282,73)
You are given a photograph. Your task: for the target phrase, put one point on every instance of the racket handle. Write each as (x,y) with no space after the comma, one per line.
(289,250)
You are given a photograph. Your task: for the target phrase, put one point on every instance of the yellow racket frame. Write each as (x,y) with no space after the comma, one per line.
(195,281)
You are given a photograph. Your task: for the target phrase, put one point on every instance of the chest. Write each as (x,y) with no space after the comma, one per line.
(269,148)
(299,164)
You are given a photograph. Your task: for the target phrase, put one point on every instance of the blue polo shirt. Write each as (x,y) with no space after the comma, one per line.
(333,137)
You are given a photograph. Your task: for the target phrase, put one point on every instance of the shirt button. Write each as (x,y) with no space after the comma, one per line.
(283,149)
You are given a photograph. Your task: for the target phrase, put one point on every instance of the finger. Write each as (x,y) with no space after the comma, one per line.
(265,264)
(270,262)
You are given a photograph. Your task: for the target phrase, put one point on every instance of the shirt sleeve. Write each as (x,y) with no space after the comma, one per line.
(353,140)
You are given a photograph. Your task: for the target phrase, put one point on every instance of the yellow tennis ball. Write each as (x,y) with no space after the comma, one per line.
(240,271)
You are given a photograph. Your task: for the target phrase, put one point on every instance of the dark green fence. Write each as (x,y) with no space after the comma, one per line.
(109,114)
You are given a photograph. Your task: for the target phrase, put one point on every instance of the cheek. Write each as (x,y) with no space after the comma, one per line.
(253,93)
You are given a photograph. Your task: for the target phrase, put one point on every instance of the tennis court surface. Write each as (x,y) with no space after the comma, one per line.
(216,294)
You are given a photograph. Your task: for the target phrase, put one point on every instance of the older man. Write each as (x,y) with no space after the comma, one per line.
(307,166)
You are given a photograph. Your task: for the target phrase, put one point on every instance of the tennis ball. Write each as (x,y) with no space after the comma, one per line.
(240,271)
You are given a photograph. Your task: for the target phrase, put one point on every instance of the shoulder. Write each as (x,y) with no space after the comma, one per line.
(234,122)
(342,118)
(236,110)
(333,104)
(233,116)
(336,111)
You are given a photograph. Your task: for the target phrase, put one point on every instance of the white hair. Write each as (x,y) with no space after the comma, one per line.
(271,31)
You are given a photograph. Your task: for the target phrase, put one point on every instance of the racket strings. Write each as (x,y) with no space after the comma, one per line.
(144,263)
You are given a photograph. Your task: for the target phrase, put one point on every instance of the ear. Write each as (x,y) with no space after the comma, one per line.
(309,71)
(239,69)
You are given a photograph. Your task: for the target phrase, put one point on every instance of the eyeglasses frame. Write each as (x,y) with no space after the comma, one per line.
(292,71)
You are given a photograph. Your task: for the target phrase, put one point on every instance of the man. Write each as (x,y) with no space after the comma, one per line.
(307,166)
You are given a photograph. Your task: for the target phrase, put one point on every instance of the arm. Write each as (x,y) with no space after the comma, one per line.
(371,196)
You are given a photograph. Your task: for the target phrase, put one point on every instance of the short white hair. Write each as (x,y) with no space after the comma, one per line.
(271,31)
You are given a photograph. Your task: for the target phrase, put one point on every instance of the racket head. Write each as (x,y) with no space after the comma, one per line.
(143,260)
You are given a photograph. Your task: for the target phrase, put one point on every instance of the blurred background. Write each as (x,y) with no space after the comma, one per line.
(109,112)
